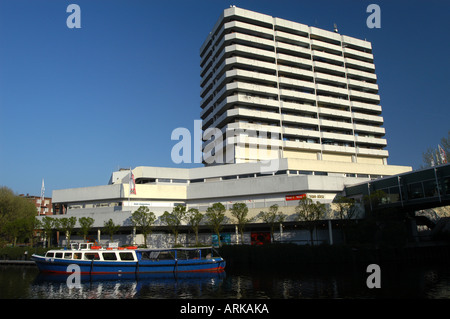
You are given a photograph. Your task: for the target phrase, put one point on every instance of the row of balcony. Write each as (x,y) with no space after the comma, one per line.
(287,31)
(273,144)
(272,107)
(252,45)
(326,94)
(296,120)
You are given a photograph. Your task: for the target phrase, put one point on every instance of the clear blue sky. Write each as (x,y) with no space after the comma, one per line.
(76,104)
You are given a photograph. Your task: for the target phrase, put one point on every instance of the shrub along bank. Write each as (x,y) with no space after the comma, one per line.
(20,253)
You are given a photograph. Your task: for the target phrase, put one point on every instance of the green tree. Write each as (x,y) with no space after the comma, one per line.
(37,228)
(215,217)
(15,228)
(85,226)
(273,217)
(48,224)
(110,228)
(194,218)
(310,212)
(174,219)
(143,218)
(66,225)
(240,212)
(17,215)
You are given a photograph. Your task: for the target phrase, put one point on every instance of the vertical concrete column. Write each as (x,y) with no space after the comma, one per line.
(281,232)
(330,232)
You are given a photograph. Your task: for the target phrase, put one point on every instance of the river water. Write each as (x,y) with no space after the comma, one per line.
(397,281)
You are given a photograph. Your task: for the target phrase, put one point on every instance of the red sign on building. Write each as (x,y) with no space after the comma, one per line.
(295,197)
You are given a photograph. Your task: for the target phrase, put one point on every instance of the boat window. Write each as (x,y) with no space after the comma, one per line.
(150,255)
(77,256)
(58,255)
(154,254)
(67,255)
(193,254)
(109,256)
(181,254)
(49,254)
(126,256)
(91,256)
(166,255)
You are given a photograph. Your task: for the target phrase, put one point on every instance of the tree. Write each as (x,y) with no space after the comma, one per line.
(433,157)
(48,224)
(272,218)
(143,218)
(14,228)
(37,226)
(346,210)
(240,212)
(173,220)
(215,216)
(110,228)
(17,215)
(194,218)
(85,225)
(66,225)
(310,212)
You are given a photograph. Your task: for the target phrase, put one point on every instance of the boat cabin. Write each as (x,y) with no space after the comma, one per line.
(93,255)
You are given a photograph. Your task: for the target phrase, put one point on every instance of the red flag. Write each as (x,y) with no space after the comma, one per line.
(443,155)
(132,184)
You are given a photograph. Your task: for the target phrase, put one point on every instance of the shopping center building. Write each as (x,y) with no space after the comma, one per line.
(287,110)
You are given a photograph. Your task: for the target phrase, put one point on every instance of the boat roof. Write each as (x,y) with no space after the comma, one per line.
(138,249)
(174,248)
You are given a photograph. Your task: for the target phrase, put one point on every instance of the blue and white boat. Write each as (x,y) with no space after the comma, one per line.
(129,260)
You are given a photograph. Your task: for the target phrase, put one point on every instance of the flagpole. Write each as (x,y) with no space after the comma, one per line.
(42,197)
(129,190)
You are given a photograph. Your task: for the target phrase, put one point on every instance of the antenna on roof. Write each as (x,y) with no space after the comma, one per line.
(335,28)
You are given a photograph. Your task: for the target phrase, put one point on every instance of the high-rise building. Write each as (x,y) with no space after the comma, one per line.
(271,89)
(296,91)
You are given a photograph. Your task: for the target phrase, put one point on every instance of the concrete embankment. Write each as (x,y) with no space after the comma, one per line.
(285,256)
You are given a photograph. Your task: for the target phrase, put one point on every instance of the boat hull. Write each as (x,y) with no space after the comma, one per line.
(61,266)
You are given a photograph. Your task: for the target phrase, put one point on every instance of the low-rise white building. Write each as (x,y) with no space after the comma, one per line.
(160,189)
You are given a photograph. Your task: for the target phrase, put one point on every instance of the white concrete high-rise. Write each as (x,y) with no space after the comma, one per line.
(308,93)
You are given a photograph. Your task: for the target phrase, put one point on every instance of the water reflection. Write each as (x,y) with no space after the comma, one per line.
(397,281)
(128,286)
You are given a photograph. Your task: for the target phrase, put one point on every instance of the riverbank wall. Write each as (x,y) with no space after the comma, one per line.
(291,256)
